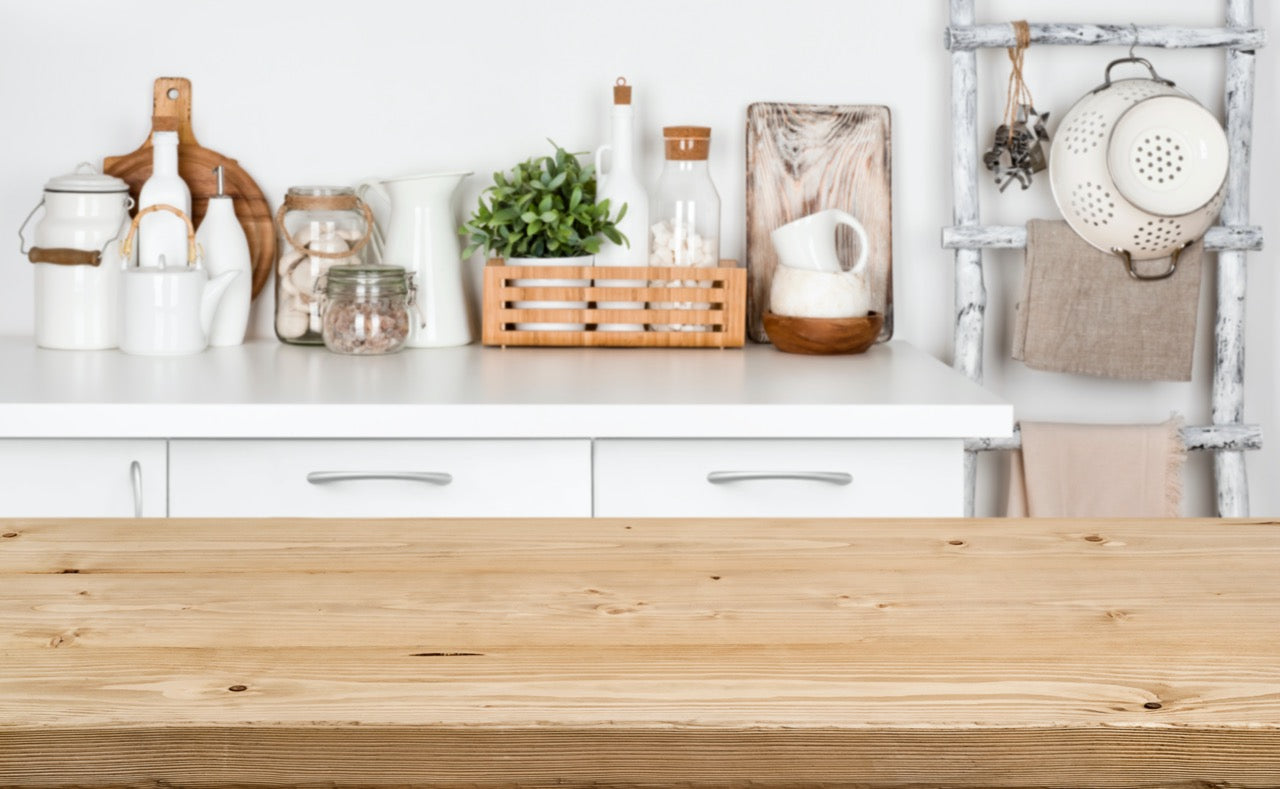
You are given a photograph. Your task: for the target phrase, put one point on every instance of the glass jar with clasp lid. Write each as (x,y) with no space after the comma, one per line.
(365,309)
(319,227)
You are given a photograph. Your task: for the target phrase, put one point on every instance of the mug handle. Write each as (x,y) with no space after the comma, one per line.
(846,218)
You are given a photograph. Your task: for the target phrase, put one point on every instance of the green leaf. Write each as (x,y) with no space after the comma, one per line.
(543,205)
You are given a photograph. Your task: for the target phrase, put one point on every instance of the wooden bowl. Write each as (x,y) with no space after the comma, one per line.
(823,335)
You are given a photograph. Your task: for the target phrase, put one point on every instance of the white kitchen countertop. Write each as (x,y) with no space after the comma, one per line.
(266,389)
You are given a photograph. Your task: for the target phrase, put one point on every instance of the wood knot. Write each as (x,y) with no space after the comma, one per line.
(955,542)
(1094,538)
(1153,705)
(619,609)
(1118,616)
(237,688)
(715,578)
(9,534)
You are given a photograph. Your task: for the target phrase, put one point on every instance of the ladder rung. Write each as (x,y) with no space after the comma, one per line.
(958,37)
(1210,437)
(1218,238)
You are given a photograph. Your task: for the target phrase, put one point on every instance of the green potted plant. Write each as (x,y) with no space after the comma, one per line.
(543,212)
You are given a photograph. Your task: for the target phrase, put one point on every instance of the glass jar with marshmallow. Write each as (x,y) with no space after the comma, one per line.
(685,215)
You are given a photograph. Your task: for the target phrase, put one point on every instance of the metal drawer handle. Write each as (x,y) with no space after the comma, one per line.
(135,473)
(829,477)
(429,477)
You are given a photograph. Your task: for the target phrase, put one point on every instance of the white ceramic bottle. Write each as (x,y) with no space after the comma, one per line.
(621,186)
(226,249)
(162,233)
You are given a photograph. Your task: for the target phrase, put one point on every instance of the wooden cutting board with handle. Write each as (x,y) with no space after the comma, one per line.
(172,112)
(803,158)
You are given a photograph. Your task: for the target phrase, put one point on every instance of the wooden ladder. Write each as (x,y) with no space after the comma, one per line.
(1228,436)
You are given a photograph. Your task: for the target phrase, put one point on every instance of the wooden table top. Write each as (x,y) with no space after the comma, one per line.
(430,653)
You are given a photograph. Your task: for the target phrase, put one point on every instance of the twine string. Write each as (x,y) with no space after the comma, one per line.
(1018,92)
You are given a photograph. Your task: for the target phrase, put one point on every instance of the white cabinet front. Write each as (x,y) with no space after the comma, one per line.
(82,478)
(825,478)
(380,478)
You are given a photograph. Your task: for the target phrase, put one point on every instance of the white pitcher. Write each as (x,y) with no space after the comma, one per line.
(422,236)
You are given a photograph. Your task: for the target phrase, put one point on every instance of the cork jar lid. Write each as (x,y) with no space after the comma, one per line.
(687,143)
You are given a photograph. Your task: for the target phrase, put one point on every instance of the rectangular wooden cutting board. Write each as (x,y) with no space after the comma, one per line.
(803,158)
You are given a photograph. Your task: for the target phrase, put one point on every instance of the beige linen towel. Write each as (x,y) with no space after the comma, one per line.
(1081,312)
(1097,471)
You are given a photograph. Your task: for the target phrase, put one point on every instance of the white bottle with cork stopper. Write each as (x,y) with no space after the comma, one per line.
(685,214)
(621,186)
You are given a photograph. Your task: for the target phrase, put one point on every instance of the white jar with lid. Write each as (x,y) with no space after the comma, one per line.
(77,265)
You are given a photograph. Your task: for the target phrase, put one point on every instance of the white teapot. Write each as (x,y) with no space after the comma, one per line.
(168,310)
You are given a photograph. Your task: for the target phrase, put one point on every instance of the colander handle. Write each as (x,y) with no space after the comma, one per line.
(1124,255)
(1142,61)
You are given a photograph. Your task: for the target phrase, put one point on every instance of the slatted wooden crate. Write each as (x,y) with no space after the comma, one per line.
(722,324)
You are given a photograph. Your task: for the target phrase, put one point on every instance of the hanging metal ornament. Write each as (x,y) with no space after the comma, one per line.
(1017,150)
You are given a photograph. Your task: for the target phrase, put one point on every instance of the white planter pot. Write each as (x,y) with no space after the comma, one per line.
(585,260)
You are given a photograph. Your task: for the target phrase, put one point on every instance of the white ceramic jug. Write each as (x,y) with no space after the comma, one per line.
(77,271)
(168,310)
(422,237)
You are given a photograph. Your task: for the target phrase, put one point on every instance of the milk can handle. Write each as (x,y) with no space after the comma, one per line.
(70,257)
(22,240)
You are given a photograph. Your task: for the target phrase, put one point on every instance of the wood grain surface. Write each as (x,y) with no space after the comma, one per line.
(195,165)
(635,652)
(803,158)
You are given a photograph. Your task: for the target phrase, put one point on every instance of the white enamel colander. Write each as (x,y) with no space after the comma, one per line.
(1138,168)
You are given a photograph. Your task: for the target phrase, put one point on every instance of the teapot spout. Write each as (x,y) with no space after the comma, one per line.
(211,296)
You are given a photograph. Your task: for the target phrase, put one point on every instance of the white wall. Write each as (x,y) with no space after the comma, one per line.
(307,91)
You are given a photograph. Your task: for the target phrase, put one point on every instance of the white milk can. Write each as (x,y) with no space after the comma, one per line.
(77,265)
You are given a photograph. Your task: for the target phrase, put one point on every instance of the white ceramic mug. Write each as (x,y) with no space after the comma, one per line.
(809,243)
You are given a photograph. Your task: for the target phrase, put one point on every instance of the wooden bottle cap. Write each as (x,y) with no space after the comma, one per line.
(621,91)
(687,143)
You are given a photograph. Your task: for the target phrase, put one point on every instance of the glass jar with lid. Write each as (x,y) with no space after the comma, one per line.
(319,227)
(685,215)
(365,309)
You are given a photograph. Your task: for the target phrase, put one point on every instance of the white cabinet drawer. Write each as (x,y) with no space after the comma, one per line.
(380,478)
(779,478)
(82,478)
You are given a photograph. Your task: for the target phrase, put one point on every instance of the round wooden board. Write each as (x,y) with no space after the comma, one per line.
(195,165)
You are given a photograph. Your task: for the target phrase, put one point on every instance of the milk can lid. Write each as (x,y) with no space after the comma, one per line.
(86,178)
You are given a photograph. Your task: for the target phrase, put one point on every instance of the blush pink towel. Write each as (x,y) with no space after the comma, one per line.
(1097,471)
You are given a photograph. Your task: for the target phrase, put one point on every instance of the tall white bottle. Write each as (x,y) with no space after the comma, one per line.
(226,249)
(622,186)
(162,233)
